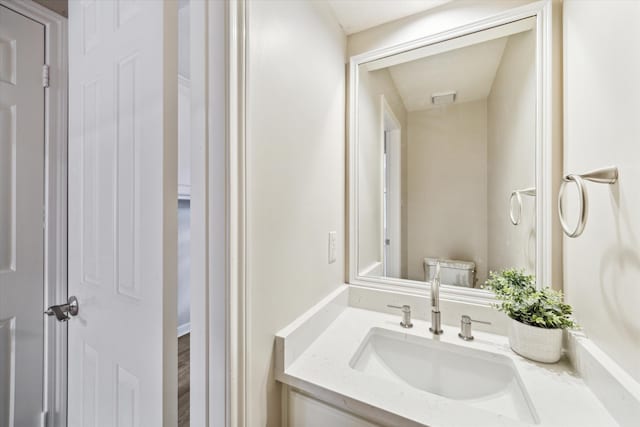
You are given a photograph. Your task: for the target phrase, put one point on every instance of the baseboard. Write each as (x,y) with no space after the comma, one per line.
(184,329)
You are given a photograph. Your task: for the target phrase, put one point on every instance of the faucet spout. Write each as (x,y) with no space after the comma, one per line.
(435,289)
(436,323)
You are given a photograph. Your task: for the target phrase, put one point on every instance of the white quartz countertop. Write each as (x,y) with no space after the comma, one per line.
(322,368)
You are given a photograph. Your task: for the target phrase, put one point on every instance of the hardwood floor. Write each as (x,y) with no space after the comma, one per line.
(183,380)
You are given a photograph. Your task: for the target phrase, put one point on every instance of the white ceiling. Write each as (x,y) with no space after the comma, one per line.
(358,15)
(469,71)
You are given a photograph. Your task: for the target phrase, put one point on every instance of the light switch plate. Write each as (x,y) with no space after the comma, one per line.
(332,246)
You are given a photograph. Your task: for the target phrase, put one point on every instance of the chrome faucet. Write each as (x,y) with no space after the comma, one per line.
(436,325)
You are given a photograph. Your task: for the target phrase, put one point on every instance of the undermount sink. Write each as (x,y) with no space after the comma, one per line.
(478,378)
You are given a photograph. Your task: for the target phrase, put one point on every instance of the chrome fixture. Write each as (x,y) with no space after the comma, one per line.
(602,176)
(63,312)
(465,327)
(436,325)
(406,315)
(515,219)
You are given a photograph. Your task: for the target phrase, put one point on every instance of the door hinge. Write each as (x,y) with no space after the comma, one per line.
(45,76)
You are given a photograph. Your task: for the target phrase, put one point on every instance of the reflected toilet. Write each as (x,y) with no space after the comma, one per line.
(452,272)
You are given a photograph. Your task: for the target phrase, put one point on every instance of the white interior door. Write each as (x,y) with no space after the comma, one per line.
(21,219)
(393,209)
(392,199)
(122,212)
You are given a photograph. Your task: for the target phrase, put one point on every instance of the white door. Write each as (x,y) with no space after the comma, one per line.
(122,213)
(392,199)
(21,219)
(394,204)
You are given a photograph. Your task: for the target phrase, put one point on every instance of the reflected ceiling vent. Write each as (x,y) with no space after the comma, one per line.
(443,98)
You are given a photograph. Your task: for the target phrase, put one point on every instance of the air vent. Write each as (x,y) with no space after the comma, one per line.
(443,98)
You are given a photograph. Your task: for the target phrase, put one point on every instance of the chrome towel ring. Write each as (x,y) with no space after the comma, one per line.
(515,219)
(607,175)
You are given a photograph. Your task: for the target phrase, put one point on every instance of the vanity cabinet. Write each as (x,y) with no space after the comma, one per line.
(304,411)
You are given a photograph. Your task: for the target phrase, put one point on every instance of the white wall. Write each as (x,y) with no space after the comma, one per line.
(295,177)
(370,174)
(447,186)
(511,136)
(602,127)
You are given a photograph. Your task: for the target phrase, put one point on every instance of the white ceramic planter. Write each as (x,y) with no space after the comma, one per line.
(539,344)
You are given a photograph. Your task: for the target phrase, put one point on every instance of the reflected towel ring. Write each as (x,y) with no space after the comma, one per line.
(515,219)
(603,176)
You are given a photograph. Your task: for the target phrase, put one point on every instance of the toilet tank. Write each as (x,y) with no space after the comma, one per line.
(452,272)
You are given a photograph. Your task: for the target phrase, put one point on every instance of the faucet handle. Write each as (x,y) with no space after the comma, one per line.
(406,315)
(468,319)
(465,327)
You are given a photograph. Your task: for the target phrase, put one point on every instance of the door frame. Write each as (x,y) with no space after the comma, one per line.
(55,205)
(218,203)
(218,214)
(236,210)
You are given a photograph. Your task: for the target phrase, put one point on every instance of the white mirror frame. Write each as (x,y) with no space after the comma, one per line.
(541,10)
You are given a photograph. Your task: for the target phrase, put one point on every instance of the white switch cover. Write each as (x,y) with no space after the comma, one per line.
(332,247)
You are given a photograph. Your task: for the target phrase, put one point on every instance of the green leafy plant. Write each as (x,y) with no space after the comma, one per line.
(520,300)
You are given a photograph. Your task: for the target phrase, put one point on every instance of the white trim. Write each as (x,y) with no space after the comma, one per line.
(55,256)
(217,197)
(218,224)
(199,275)
(453,44)
(542,11)
(184,329)
(236,212)
(609,382)
(375,269)
(201,286)
(544,147)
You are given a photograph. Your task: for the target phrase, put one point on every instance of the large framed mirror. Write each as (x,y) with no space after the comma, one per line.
(450,157)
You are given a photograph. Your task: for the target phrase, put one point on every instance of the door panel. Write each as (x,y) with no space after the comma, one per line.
(122,212)
(21,219)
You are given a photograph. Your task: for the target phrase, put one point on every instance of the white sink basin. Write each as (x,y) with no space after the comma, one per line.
(481,379)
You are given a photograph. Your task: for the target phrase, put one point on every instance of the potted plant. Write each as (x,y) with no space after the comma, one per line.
(538,316)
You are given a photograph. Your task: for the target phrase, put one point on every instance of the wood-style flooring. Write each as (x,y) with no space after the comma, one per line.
(183,380)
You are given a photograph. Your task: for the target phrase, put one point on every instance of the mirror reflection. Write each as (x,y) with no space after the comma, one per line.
(446,152)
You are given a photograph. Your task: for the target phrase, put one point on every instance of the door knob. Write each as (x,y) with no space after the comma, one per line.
(63,312)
